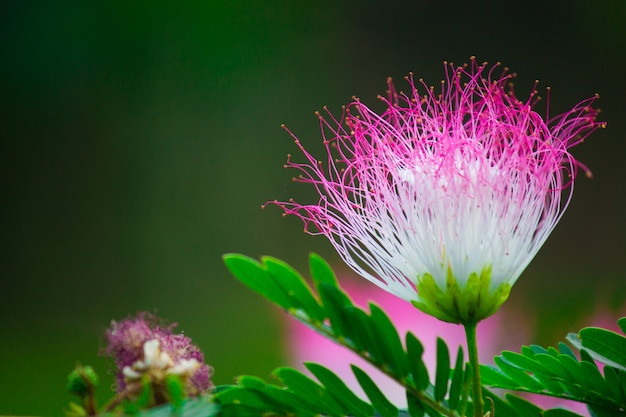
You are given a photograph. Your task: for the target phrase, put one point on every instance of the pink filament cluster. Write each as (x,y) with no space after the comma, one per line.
(125,344)
(457,179)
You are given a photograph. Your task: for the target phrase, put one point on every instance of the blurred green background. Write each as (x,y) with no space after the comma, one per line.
(140,138)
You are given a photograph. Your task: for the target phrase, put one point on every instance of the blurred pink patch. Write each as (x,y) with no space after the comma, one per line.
(307,346)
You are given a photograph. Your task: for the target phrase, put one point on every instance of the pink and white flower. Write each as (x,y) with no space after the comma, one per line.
(145,346)
(445,198)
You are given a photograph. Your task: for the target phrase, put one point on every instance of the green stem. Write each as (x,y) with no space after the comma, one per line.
(472,351)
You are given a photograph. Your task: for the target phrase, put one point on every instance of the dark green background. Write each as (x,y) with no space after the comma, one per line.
(139,139)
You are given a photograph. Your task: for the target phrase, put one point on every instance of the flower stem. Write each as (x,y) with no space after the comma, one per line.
(472,351)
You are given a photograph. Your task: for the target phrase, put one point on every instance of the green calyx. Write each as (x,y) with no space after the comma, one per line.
(468,305)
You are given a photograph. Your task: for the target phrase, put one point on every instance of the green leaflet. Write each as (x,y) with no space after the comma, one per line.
(559,412)
(295,287)
(389,342)
(251,382)
(416,408)
(256,276)
(612,381)
(622,383)
(334,303)
(367,336)
(553,366)
(494,377)
(589,354)
(442,373)
(415,350)
(522,361)
(247,396)
(565,350)
(380,403)
(352,404)
(523,407)
(595,382)
(456,384)
(321,271)
(622,324)
(519,375)
(315,395)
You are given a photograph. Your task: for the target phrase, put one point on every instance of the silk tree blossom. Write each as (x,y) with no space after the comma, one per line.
(145,347)
(444,198)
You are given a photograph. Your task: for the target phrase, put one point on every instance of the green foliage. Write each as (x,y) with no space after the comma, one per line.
(558,372)
(372,336)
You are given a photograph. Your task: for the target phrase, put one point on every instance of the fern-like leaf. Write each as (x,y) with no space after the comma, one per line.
(370,335)
(558,372)
(373,337)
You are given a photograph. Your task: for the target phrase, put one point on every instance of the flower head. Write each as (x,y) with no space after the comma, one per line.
(143,346)
(445,198)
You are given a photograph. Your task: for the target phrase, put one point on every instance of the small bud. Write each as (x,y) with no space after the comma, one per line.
(82,380)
